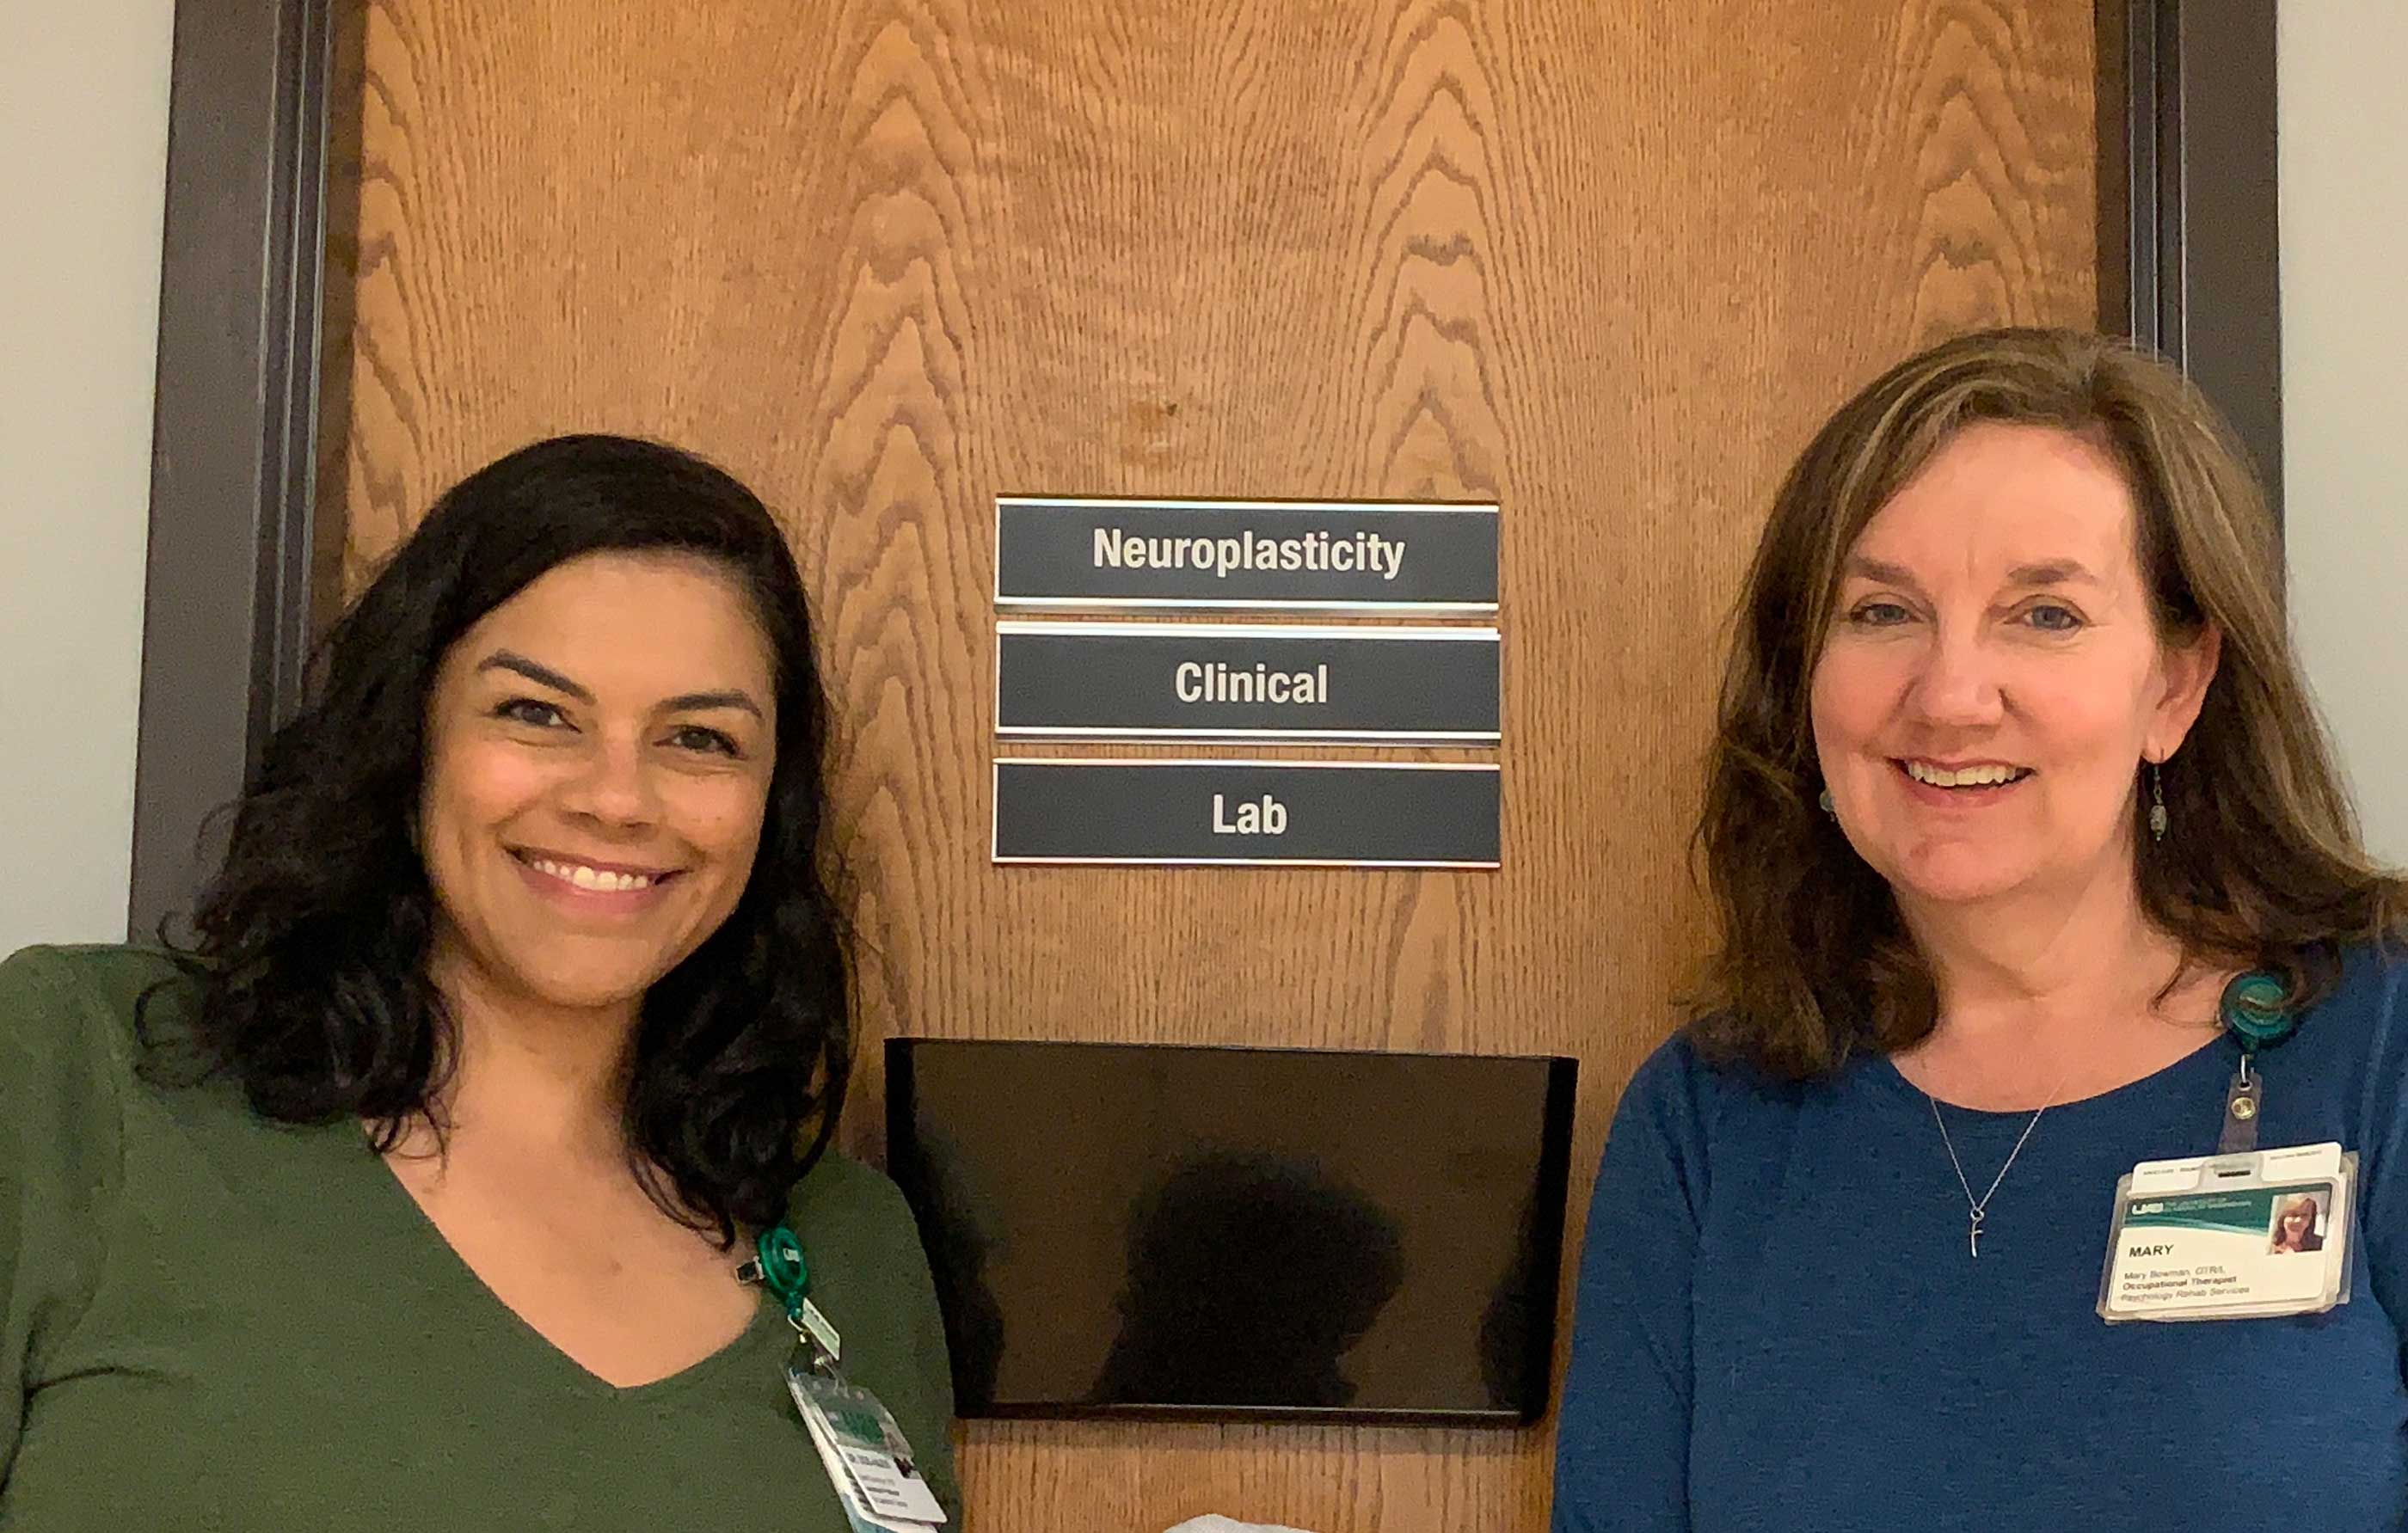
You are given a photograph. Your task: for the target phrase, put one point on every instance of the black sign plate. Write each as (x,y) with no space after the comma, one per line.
(1330,556)
(1168,680)
(1247,812)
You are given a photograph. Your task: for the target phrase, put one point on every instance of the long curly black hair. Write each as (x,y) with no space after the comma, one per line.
(310,945)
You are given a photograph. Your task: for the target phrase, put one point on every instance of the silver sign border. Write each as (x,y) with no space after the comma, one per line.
(994,804)
(1206,604)
(1115,733)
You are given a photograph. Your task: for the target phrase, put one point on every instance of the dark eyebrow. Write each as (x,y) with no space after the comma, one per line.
(693,702)
(688,702)
(2054,572)
(540,675)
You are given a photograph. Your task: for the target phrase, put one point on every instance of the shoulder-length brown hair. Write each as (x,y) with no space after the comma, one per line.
(2263,866)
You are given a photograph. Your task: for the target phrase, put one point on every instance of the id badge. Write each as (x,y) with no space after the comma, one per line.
(865,1455)
(2232,1237)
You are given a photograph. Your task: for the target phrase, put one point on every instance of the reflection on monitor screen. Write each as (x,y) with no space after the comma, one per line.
(1132,1229)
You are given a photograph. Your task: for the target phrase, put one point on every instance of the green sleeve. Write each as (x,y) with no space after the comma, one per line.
(62,1062)
(931,1365)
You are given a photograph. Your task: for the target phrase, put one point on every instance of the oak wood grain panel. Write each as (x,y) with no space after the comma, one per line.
(1603,261)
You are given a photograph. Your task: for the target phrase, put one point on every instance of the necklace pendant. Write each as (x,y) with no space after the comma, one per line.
(1973,1234)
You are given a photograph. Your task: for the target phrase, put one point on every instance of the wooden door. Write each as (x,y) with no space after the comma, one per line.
(1605,261)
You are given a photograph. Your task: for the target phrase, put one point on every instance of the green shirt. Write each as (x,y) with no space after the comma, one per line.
(212,1321)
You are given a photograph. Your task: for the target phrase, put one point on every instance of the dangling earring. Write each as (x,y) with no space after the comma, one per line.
(2157,816)
(1829,808)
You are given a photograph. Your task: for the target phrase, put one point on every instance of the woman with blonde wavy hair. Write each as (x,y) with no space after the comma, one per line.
(2294,1227)
(2015,776)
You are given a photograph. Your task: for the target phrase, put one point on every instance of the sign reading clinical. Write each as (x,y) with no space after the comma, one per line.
(1188,681)
(1071,553)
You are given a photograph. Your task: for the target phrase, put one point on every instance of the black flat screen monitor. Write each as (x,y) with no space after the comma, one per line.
(1141,1230)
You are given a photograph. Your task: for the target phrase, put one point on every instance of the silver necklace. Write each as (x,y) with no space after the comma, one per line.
(1977,1206)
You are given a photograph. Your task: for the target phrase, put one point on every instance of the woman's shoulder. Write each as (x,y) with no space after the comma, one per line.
(844,1199)
(1690,1096)
(2367,1004)
(1689,1071)
(837,1179)
(2376,972)
(78,1004)
(2356,1032)
(67,1075)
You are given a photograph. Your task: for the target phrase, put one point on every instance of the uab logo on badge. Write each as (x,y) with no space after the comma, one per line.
(2148,1207)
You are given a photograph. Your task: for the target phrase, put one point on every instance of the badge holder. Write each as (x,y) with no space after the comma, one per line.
(868,1458)
(2232,1237)
(2244,1233)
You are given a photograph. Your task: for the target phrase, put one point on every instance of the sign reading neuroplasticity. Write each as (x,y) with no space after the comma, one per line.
(1334,556)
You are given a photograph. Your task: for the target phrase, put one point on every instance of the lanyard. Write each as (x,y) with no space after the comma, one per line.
(2253,1011)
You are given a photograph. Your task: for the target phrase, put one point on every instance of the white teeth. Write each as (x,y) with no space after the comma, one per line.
(1971,777)
(595,878)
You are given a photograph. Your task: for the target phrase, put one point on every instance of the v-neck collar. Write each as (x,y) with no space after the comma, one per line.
(417,1238)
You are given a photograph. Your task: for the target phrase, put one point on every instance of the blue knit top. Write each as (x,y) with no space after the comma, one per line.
(1779,1324)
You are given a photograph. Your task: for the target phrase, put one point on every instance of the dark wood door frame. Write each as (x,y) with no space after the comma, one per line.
(242,543)
(234,513)
(2189,242)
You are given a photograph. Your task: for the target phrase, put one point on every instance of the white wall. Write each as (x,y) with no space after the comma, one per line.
(2345,238)
(83,169)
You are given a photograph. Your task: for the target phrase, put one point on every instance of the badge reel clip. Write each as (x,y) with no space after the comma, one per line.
(2254,1013)
(778,1265)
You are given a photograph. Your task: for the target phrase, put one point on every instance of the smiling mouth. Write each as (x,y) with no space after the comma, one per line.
(596,878)
(1963,779)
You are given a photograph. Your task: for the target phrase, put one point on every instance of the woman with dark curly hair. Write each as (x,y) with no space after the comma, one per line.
(2022,835)
(416,1189)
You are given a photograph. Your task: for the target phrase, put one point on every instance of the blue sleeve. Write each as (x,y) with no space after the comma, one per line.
(2382,1145)
(1622,1435)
